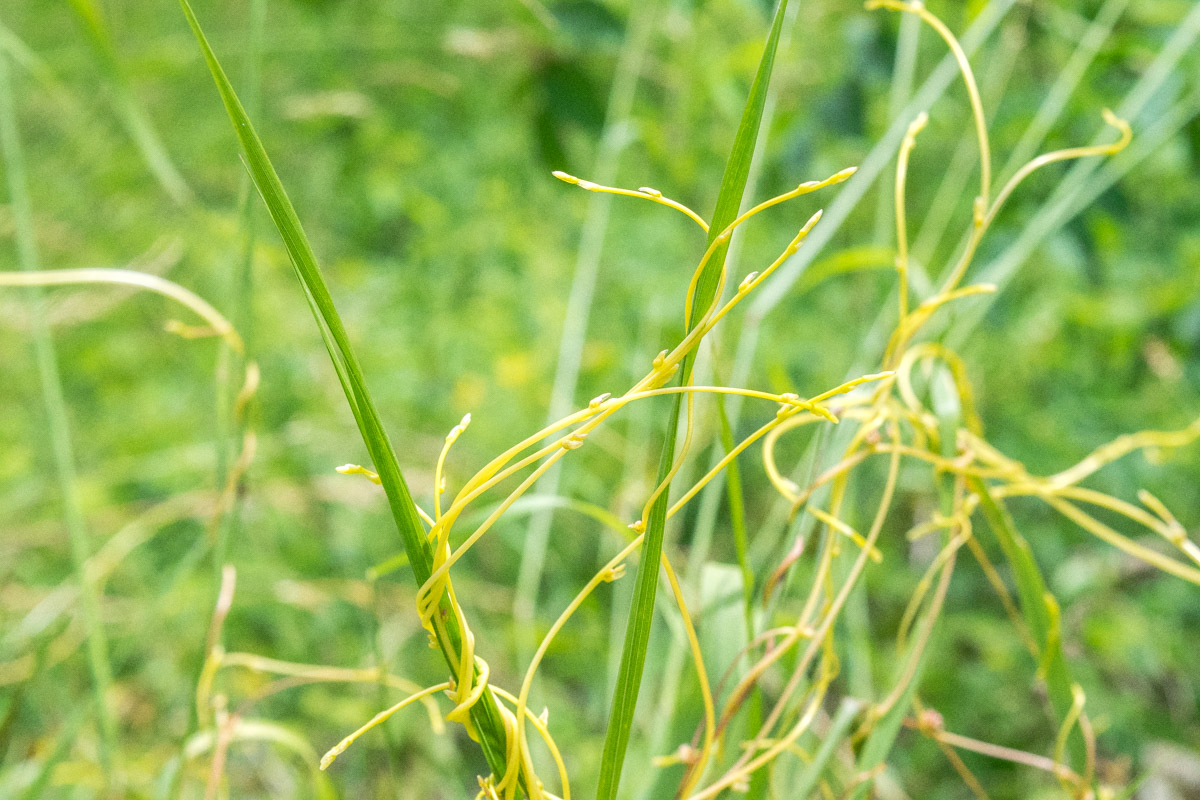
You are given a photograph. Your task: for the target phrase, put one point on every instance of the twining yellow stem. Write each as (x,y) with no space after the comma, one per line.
(141,280)
(439,480)
(1060,742)
(906,148)
(985,157)
(1094,526)
(945,561)
(431,592)
(1172,530)
(539,725)
(844,529)
(382,716)
(816,637)
(804,188)
(695,769)
(1111,119)
(744,768)
(927,351)
(1122,446)
(257,663)
(608,573)
(921,314)
(645,193)
(1003,753)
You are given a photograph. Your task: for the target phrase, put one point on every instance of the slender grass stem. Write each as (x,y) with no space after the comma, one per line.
(58,428)
(637,634)
(643,21)
(128,109)
(451,637)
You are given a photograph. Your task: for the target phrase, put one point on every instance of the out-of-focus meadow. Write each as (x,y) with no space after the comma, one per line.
(417,141)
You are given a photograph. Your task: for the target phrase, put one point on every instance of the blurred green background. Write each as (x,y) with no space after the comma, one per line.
(417,141)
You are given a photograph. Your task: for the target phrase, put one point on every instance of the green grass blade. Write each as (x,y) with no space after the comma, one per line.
(641,612)
(839,727)
(485,713)
(24,56)
(1032,593)
(62,749)
(643,21)
(131,114)
(55,404)
(737,522)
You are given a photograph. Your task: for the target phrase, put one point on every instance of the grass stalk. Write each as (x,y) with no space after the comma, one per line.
(129,111)
(484,714)
(728,480)
(839,727)
(232,425)
(642,23)
(58,425)
(641,612)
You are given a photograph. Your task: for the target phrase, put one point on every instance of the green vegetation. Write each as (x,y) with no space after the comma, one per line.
(957,572)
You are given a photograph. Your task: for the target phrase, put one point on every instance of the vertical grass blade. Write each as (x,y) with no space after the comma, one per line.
(484,714)
(641,611)
(1032,593)
(642,23)
(56,417)
(129,111)
(839,727)
(1081,183)
(853,191)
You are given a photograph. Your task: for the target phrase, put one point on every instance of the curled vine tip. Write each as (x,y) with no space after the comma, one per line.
(1121,125)
(565,177)
(918,124)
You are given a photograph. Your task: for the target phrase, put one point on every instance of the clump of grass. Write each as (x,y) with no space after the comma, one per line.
(917,407)
(914,411)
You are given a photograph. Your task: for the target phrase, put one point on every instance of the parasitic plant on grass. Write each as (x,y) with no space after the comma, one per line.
(782,719)
(915,412)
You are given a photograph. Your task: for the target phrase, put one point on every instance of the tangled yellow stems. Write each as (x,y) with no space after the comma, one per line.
(890,419)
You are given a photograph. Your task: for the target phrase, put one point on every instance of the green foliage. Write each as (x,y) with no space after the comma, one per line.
(1025,641)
